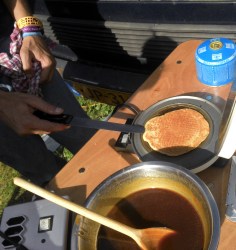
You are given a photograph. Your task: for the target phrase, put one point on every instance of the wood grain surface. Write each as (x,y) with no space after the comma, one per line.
(98,159)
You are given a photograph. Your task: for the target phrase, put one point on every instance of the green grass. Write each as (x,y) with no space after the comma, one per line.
(9,193)
(95,110)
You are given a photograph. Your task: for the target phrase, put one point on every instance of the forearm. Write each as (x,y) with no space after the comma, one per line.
(18,8)
(34,47)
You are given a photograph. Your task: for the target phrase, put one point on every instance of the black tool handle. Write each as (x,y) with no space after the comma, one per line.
(61,118)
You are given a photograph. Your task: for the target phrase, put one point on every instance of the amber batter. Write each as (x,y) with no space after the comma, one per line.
(155,207)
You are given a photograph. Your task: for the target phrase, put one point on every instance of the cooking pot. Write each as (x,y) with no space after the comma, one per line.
(196,160)
(144,176)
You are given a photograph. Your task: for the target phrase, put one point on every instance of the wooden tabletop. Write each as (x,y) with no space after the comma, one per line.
(98,159)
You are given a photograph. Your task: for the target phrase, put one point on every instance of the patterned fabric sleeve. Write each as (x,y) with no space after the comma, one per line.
(11,66)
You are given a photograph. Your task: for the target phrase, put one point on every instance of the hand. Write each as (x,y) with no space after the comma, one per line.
(35,48)
(16,110)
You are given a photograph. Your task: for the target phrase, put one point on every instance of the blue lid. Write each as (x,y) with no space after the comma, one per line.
(216,51)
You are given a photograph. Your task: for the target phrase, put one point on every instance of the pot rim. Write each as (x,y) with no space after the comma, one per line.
(201,186)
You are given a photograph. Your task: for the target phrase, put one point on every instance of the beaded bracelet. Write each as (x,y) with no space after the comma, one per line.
(29,21)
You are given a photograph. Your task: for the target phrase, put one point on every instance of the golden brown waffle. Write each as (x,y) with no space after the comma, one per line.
(176,132)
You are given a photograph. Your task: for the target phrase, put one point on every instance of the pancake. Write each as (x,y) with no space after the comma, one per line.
(176,132)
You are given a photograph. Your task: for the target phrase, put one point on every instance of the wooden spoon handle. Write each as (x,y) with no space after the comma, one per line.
(75,207)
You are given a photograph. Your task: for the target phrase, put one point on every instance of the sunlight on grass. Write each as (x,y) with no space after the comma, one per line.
(7,188)
(95,110)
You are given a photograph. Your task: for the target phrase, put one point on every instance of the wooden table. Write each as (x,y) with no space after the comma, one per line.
(98,159)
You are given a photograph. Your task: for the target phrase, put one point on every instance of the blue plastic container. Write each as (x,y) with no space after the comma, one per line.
(216,61)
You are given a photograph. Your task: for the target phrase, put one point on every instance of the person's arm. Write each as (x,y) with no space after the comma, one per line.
(16,109)
(18,8)
(33,47)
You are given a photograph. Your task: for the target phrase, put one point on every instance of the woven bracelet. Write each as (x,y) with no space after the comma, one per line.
(32,29)
(29,21)
(25,34)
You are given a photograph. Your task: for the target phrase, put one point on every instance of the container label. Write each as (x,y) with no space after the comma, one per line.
(202,50)
(229,45)
(216,56)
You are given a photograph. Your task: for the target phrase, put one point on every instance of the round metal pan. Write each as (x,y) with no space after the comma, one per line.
(197,159)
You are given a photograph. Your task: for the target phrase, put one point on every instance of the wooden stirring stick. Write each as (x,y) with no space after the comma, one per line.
(147,239)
